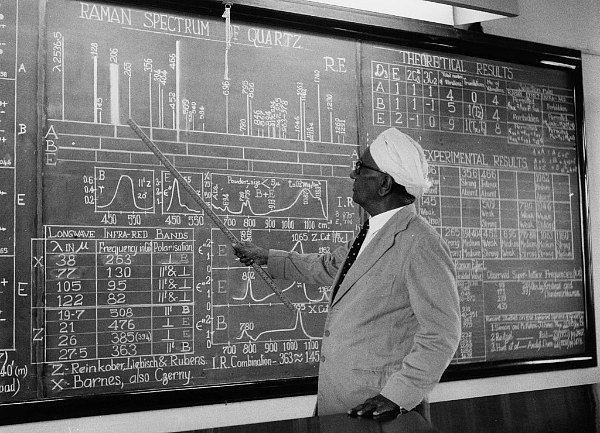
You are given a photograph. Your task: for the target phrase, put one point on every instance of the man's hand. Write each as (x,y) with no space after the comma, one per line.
(378,407)
(248,253)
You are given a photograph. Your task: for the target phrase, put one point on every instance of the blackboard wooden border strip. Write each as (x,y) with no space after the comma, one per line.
(97,405)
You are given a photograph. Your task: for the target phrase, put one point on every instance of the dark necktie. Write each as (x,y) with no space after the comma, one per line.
(360,238)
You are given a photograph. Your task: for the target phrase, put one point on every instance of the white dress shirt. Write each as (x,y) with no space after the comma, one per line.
(375,224)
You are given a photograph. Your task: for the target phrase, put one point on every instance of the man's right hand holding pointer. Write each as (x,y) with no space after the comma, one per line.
(248,253)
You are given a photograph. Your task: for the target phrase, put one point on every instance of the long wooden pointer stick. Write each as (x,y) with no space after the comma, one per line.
(260,271)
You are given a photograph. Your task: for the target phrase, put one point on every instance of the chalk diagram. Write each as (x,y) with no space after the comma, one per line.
(175,199)
(251,296)
(296,331)
(257,196)
(245,310)
(124,190)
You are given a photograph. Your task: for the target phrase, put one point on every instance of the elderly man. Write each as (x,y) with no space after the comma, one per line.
(394,319)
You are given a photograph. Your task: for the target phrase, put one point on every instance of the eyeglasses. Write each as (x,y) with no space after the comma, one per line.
(359,165)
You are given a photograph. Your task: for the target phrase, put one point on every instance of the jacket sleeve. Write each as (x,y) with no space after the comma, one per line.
(430,278)
(306,268)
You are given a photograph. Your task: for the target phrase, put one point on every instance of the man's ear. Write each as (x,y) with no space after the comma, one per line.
(385,185)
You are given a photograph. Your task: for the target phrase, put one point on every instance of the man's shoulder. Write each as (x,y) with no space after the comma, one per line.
(409,218)
(420,231)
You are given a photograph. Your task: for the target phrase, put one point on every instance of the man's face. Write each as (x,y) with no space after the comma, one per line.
(366,181)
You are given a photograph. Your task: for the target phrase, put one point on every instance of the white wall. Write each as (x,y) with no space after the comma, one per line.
(565,23)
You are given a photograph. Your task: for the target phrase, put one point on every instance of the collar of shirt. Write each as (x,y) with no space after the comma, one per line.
(376,223)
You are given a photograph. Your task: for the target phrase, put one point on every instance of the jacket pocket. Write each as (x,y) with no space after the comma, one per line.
(372,379)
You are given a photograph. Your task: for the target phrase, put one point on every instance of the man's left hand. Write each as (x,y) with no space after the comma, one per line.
(377,407)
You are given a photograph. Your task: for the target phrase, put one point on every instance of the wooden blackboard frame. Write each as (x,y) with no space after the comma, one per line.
(363,27)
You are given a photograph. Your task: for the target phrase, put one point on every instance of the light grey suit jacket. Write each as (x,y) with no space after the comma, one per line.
(394,324)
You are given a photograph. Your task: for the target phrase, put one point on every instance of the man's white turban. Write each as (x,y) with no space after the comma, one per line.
(402,158)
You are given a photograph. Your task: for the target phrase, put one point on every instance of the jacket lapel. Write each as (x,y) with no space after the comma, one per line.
(381,243)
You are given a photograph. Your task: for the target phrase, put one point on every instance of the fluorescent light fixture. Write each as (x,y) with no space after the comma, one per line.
(553,63)
(443,12)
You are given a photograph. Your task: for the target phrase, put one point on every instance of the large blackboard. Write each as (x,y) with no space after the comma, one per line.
(114,282)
